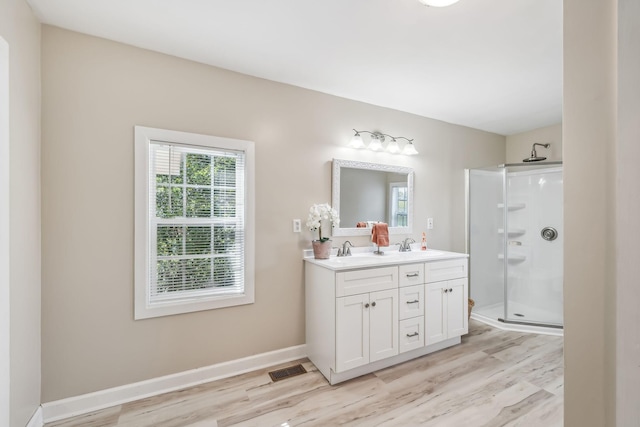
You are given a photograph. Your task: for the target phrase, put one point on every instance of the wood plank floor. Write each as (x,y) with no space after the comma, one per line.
(494,378)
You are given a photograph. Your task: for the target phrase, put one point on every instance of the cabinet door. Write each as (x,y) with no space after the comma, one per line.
(352,332)
(383,324)
(457,307)
(434,313)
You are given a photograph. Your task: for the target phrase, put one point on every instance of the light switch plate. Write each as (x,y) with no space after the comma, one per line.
(297,226)
(429,223)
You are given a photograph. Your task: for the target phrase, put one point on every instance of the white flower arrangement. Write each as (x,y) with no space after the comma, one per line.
(319,213)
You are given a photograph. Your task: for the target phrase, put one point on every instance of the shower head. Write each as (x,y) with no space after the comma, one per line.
(534,156)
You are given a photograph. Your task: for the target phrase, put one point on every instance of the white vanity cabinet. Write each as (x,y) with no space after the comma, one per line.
(366,314)
(446,296)
(366,328)
(411,301)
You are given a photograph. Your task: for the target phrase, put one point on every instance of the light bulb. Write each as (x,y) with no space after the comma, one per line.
(375,144)
(409,149)
(356,141)
(393,147)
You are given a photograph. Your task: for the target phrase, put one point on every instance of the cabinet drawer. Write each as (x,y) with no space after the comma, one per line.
(368,280)
(411,301)
(445,270)
(411,334)
(411,274)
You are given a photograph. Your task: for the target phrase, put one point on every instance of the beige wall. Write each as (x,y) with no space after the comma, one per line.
(22,32)
(519,145)
(94,92)
(589,136)
(628,212)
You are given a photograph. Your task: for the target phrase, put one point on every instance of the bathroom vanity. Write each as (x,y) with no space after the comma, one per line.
(366,312)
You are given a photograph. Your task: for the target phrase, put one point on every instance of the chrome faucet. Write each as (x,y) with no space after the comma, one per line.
(405,246)
(345,250)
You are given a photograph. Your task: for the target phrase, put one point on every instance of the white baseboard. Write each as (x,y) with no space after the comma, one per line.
(36,419)
(72,406)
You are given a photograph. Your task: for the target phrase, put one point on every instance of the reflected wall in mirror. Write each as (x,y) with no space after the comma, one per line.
(365,193)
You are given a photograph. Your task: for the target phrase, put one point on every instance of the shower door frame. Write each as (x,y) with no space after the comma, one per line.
(503,169)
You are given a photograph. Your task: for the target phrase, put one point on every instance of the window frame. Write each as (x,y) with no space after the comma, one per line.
(143,309)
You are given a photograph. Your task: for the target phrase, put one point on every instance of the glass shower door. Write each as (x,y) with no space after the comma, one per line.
(486,243)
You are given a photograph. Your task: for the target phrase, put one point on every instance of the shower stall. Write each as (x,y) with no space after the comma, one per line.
(515,241)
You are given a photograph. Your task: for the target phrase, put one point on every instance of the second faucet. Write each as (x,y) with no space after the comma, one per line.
(345,250)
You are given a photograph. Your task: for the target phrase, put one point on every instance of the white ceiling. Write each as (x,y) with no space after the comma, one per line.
(494,65)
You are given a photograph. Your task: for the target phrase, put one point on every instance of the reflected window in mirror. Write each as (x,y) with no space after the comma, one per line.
(399,204)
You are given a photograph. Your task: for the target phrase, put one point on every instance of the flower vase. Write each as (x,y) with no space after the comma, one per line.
(321,250)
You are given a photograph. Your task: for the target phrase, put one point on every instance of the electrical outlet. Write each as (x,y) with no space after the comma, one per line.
(429,223)
(297,226)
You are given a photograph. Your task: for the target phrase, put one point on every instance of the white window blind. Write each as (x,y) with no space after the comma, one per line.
(196,218)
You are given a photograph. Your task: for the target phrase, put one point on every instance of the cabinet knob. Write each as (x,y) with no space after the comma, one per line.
(366,305)
(446,290)
(373,304)
(450,290)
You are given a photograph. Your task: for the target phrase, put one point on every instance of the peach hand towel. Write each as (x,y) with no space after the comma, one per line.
(380,234)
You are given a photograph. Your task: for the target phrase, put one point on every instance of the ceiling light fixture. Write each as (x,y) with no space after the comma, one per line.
(377,143)
(438,3)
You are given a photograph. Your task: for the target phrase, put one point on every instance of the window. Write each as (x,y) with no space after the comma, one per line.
(399,204)
(194,222)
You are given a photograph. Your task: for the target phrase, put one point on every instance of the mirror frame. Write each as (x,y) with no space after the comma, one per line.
(338,164)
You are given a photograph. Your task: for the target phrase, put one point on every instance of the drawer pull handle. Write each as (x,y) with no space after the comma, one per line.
(415,334)
(413,275)
(415,301)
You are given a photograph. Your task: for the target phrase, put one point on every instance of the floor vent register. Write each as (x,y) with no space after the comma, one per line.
(283,374)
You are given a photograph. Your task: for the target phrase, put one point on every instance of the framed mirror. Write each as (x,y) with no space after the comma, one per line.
(365,193)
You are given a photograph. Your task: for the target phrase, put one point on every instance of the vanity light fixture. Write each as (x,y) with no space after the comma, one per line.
(356,141)
(409,149)
(377,143)
(393,147)
(438,3)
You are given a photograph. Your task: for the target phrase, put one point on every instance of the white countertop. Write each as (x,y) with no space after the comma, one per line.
(364,257)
